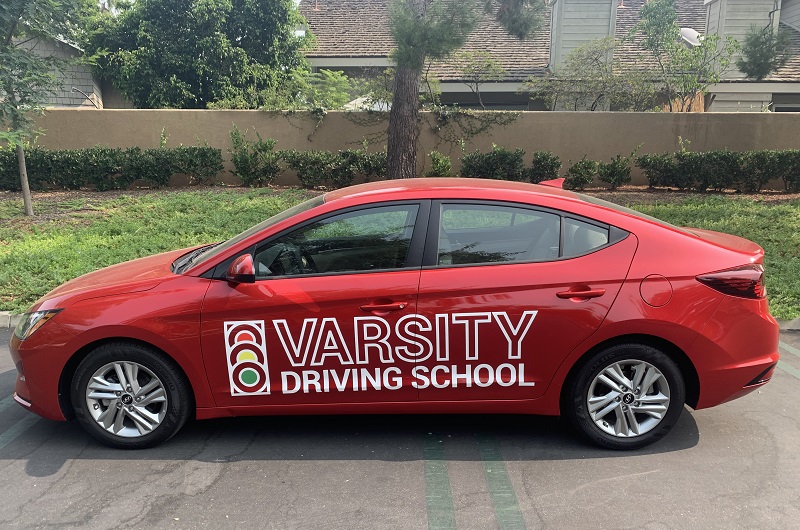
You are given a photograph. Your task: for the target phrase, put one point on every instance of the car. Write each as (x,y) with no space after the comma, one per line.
(439,295)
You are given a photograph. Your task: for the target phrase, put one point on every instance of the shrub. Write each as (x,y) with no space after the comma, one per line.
(106,168)
(312,167)
(372,165)
(202,163)
(339,169)
(441,165)
(580,174)
(789,162)
(545,166)
(616,172)
(759,167)
(659,169)
(255,163)
(499,164)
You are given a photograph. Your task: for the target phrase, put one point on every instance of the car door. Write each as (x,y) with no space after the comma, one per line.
(511,290)
(317,325)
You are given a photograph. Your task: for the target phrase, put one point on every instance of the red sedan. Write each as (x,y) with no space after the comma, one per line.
(413,296)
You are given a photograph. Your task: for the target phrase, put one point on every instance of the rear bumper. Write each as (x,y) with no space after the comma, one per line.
(736,351)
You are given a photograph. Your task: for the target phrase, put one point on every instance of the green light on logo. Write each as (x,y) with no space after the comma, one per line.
(249,377)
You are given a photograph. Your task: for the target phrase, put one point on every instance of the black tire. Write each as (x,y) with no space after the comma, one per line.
(626,356)
(152,368)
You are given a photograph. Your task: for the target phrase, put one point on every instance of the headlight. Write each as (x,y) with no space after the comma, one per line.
(30,322)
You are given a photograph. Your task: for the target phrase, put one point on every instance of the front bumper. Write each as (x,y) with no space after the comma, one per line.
(40,360)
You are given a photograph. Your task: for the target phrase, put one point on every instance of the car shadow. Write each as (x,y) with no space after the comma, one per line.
(47,445)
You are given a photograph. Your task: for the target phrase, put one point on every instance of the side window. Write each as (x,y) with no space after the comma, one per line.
(371,239)
(477,233)
(580,237)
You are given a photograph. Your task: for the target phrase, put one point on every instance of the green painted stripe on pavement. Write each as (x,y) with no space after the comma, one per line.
(438,495)
(789,348)
(504,499)
(786,367)
(17,429)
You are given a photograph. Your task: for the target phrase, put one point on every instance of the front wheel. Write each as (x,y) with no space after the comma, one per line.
(130,396)
(626,397)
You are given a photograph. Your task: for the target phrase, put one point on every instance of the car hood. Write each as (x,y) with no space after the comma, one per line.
(132,276)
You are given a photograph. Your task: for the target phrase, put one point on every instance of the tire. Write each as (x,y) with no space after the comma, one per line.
(148,409)
(616,414)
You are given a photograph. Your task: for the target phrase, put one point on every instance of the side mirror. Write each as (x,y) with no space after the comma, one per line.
(242,270)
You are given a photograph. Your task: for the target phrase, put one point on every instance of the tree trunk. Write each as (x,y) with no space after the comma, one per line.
(23,177)
(401,156)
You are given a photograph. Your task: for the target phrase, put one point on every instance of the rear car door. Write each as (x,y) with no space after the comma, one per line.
(511,290)
(317,325)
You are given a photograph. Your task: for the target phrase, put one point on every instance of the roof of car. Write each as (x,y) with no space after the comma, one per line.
(439,185)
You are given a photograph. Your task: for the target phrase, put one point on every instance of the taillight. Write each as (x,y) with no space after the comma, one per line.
(746,281)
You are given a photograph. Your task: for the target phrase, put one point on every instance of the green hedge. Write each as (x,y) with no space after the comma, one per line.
(105,168)
(747,171)
(335,169)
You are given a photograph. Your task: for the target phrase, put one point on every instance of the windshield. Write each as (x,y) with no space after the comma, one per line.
(214,250)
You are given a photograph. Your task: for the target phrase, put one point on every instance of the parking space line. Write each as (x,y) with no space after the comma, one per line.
(501,490)
(786,367)
(6,402)
(17,429)
(438,494)
(789,348)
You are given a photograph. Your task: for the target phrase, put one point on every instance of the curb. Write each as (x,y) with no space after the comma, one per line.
(8,321)
(790,325)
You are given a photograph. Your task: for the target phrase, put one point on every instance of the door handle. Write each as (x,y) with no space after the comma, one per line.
(586,294)
(391,306)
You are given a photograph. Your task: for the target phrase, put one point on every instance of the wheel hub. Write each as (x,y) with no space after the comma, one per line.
(126,399)
(617,410)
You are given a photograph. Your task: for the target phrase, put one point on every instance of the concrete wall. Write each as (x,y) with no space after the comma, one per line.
(570,135)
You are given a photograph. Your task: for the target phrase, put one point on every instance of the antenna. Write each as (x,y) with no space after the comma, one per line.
(691,37)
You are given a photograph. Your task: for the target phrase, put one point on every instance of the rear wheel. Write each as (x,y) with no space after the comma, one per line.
(626,397)
(130,396)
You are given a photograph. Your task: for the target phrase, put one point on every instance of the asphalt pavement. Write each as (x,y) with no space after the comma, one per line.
(732,466)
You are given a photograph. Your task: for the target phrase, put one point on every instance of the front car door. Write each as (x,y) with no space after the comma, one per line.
(318,325)
(511,290)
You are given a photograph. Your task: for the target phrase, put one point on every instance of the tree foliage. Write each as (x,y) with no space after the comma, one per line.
(592,78)
(426,30)
(477,68)
(764,51)
(27,76)
(683,72)
(191,53)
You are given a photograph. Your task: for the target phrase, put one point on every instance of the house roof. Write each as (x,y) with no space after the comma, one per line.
(791,70)
(360,28)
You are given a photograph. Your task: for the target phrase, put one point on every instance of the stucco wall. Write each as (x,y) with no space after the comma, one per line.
(570,135)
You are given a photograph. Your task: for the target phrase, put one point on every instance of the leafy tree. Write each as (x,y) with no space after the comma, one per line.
(425,30)
(478,68)
(27,78)
(683,72)
(592,78)
(764,51)
(191,53)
